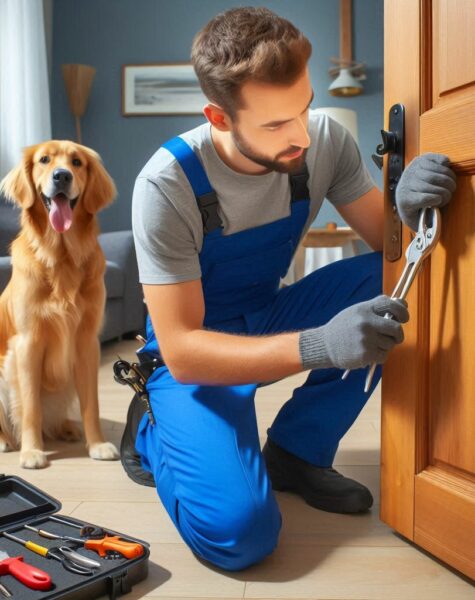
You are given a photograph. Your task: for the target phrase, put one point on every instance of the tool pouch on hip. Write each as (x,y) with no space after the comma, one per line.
(135,375)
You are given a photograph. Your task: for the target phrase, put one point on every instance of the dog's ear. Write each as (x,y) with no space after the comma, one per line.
(100,188)
(17,186)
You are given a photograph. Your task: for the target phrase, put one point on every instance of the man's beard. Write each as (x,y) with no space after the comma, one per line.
(289,166)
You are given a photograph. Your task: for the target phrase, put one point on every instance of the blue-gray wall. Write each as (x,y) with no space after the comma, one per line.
(110,33)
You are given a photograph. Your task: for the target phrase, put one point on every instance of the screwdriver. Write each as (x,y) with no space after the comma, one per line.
(54,536)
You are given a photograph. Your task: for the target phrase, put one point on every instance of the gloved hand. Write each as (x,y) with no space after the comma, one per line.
(357,336)
(426,181)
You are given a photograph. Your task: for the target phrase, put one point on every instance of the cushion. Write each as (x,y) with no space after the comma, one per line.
(9,225)
(5,271)
(114,280)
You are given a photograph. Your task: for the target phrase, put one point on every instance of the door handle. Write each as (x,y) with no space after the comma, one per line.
(393,145)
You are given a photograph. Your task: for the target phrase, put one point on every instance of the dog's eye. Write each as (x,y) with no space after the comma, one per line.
(44,159)
(77,162)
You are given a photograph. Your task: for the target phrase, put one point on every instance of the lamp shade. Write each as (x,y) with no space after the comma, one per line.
(344,116)
(345,85)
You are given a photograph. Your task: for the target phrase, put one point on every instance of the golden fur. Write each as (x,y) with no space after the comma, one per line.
(52,308)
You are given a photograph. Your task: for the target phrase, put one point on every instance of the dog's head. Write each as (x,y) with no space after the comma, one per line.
(62,176)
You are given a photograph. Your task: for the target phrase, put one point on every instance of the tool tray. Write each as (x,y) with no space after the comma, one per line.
(23,504)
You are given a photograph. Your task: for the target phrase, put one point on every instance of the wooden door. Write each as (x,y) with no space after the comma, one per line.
(428,387)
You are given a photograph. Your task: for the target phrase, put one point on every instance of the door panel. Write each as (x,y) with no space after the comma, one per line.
(452,327)
(428,391)
(453,47)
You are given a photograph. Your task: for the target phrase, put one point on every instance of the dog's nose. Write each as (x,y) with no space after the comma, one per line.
(62,176)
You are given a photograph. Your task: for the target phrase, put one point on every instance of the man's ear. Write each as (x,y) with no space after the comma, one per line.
(17,186)
(217,117)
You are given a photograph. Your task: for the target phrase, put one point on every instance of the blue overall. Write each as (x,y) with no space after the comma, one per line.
(204,450)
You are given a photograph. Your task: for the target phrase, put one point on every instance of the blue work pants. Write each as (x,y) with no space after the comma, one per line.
(204,450)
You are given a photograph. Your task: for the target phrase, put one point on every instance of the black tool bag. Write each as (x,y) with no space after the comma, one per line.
(23,504)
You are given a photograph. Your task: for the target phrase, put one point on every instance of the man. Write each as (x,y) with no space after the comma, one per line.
(217,216)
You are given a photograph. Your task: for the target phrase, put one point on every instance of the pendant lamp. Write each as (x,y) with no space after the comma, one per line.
(348,73)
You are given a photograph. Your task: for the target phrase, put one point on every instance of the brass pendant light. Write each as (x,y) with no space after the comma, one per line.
(348,73)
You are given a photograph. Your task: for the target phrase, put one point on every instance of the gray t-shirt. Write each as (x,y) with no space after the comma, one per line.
(166,221)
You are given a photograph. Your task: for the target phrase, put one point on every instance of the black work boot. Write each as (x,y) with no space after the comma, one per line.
(129,457)
(321,487)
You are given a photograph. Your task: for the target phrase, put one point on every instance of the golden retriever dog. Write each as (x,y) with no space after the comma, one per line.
(52,308)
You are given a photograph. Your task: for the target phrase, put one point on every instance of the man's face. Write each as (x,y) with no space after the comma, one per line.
(271,129)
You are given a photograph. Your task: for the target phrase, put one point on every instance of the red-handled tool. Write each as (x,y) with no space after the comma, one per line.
(31,576)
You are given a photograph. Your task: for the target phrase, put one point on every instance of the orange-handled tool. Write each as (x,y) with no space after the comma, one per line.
(96,538)
(100,545)
(114,543)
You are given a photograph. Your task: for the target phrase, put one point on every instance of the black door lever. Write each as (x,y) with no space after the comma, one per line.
(389,145)
(393,146)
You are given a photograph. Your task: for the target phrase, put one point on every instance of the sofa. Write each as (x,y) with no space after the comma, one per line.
(125,309)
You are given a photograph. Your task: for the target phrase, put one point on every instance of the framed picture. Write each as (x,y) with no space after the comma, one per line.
(161,89)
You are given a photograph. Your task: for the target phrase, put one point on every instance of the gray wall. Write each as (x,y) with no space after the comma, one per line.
(110,33)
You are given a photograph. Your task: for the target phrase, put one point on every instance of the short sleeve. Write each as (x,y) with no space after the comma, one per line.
(351,178)
(165,246)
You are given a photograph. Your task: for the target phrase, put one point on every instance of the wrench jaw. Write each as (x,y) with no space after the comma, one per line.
(429,230)
(418,250)
(434,230)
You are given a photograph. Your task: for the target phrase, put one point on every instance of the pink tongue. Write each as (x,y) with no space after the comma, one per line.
(60,215)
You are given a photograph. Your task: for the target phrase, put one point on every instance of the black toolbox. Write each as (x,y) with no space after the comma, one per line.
(23,504)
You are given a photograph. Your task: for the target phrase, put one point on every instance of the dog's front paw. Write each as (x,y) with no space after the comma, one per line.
(33,459)
(104,451)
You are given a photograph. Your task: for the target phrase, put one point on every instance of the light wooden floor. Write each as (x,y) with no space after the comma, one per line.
(320,555)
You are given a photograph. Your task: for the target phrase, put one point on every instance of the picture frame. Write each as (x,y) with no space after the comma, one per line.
(161,89)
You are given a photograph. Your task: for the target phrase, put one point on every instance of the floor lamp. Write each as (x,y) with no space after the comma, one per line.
(78,81)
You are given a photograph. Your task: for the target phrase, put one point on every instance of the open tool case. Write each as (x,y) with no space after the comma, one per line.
(23,504)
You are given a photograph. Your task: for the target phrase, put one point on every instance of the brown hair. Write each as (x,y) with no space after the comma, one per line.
(245,44)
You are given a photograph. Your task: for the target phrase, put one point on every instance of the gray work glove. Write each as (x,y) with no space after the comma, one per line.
(357,336)
(427,181)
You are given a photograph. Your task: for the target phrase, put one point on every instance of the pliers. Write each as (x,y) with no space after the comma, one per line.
(422,245)
(73,561)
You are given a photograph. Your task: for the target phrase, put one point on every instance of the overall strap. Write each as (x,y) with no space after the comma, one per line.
(299,209)
(205,195)
(298,185)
